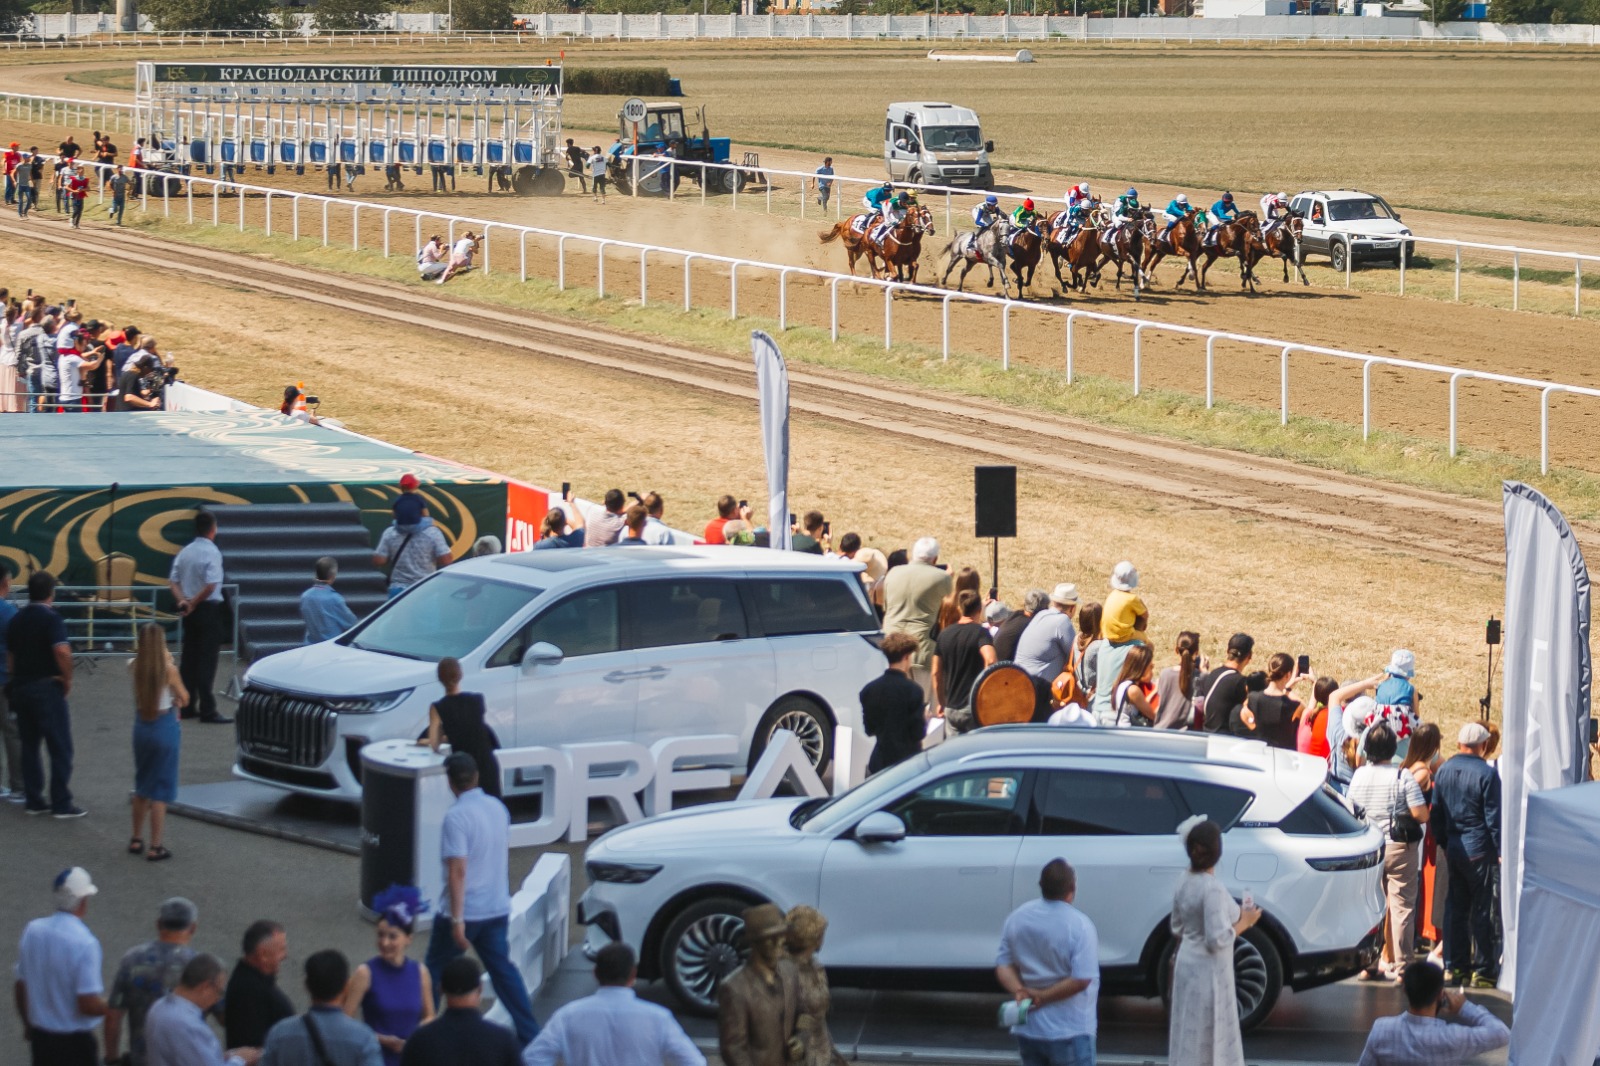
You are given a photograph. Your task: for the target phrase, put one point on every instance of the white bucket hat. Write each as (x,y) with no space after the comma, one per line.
(1403,664)
(1124,578)
(1065,594)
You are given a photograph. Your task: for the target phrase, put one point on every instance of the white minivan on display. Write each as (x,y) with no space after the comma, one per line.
(917,867)
(635,644)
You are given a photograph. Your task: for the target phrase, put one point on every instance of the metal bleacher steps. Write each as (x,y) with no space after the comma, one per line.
(270,550)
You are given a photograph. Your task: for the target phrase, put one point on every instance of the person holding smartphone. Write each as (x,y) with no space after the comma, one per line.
(1424,1033)
(811,535)
(1269,715)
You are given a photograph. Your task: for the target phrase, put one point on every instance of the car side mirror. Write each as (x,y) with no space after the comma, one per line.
(988,146)
(542,653)
(880,827)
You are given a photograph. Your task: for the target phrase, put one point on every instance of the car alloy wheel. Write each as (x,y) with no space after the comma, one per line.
(810,724)
(1250,981)
(703,945)
(806,729)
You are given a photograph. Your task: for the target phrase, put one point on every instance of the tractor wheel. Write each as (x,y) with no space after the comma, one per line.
(523,181)
(549,182)
(728,181)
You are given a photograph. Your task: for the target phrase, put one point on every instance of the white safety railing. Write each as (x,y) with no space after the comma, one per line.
(102,30)
(173,188)
(67,111)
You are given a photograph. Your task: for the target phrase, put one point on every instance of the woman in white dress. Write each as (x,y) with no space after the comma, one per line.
(1204,1027)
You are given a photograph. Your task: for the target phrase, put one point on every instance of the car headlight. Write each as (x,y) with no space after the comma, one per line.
(620,873)
(383,701)
(1349,862)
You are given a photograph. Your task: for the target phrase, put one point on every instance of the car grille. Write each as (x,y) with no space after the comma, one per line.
(285,729)
(961,172)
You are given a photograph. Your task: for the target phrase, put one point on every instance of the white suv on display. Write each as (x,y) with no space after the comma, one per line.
(635,644)
(917,868)
(1349,224)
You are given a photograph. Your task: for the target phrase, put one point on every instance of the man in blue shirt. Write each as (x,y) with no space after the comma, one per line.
(12,791)
(825,181)
(1050,959)
(1466,823)
(474,911)
(302,1040)
(60,992)
(613,1027)
(39,661)
(323,610)
(176,1030)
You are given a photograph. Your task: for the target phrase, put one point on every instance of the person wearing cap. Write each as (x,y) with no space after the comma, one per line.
(147,972)
(409,507)
(1221,692)
(473,911)
(416,553)
(1466,823)
(759,1003)
(1124,617)
(59,991)
(460,1035)
(11,158)
(176,1025)
(1397,698)
(130,393)
(613,1027)
(1045,647)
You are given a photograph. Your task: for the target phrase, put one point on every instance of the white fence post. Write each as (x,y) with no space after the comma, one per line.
(945,317)
(1138,342)
(888,317)
(1453,379)
(1211,363)
(688,281)
(1283,378)
(1072,316)
(1516,281)
(600,268)
(1005,336)
(1544,428)
(733,290)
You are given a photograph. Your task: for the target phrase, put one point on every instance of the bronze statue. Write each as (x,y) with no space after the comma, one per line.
(807,927)
(759,1003)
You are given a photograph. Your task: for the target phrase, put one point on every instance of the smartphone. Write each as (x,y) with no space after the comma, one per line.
(72,303)
(566,489)
(827,529)
(792,519)
(636,497)
(743,504)
(1303,667)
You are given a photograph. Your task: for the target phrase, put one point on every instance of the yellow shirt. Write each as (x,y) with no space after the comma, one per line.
(1118,617)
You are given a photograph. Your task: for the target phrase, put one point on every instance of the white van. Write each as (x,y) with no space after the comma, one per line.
(577,645)
(936,144)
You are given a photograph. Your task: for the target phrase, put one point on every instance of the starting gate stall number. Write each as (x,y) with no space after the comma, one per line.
(295,115)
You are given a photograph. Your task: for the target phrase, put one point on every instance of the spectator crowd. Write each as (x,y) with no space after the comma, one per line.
(54,359)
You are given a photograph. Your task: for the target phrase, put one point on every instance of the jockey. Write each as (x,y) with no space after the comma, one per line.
(1078,194)
(1127,209)
(1222,212)
(1024,216)
(1176,211)
(987,213)
(877,198)
(1274,208)
(894,212)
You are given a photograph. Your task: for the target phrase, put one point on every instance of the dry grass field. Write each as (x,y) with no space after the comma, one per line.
(1499,133)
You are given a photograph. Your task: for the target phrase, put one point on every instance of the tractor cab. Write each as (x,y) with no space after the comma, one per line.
(665,125)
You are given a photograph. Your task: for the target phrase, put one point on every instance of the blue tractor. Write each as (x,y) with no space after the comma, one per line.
(663,129)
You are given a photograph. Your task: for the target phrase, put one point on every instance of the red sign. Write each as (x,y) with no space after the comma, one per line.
(526,507)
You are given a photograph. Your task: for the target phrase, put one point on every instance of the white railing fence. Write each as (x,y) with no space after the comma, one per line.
(512,240)
(101,30)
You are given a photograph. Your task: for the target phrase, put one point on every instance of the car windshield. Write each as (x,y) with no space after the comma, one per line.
(866,797)
(1357,210)
(951,138)
(446,616)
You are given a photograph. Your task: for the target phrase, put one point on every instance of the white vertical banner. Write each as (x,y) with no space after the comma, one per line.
(772,384)
(1545,710)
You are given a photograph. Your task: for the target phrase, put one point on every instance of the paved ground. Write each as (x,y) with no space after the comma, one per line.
(236,877)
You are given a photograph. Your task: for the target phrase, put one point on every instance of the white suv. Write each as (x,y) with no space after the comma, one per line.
(579,645)
(917,868)
(1347,223)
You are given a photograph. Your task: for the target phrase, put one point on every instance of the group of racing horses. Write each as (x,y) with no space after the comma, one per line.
(1136,244)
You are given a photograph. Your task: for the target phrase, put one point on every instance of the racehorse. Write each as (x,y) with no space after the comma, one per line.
(971,249)
(901,247)
(1183,239)
(1081,254)
(1127,246)
(1241,240)
(1024,248)
(855,240)
(1283,242)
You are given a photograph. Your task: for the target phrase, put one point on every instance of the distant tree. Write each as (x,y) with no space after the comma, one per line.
(1534,10)
(12,12)
(481,15)
(1444,10)
(349,14)
(210,14)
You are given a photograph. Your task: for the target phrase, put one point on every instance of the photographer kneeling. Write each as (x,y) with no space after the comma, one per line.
(139,386)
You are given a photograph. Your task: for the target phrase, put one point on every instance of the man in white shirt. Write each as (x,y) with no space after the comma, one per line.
(655,530)
(613,1027)
(474,911)
(196,583)
(60,993)
(176,1033)
(1050,960)
(1423,1036)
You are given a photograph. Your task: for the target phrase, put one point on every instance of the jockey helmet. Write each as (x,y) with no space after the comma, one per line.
(991,200)
(1227,197)
(888,185)
(1133,193)
(1027,205)
(1084,188)
(1183,198)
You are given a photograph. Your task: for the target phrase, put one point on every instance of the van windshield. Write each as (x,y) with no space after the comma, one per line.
(951,138)
(446,616)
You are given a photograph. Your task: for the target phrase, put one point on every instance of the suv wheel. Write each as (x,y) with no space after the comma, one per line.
(1338,252)
(703,945)
(808,722)
(1257,976)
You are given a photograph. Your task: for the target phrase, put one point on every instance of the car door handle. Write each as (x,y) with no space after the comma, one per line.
(654,672)
(616,677)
